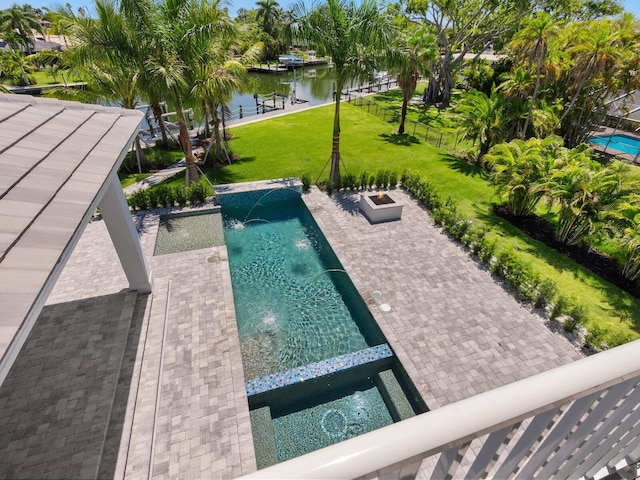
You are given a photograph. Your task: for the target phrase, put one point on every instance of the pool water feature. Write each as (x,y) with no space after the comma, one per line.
(622,143)
(293,305)
(317,367)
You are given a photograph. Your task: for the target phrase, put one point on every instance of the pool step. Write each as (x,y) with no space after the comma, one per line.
(264,438)
(317,369)
(394,396)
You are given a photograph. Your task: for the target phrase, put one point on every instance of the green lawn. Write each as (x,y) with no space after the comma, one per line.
(300,143)
(127,179)
(44,78)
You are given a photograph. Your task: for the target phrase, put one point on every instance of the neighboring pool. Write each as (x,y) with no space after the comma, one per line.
(622,143)
(317,367)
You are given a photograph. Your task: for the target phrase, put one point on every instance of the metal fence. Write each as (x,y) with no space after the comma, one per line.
(452,141)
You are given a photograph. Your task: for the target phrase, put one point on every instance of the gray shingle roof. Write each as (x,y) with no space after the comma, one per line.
(55,157)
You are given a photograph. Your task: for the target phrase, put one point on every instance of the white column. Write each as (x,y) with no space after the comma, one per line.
(124,236)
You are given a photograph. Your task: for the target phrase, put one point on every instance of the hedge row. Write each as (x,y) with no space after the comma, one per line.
(166,196)
(508,266)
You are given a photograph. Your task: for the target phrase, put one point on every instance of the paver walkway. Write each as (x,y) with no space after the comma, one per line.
(456,331)
(184,413)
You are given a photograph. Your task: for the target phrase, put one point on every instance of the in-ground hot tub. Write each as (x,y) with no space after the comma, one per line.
(380,207)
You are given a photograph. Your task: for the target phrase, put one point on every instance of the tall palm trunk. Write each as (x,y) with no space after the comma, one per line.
(533,99)
(585,75)
(157,114)
(140,156)
(185,144)
(205,116)
(403,113)
(216,131)
(407,93)
(335,149)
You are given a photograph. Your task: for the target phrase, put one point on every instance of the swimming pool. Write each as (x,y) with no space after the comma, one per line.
(622,143)
(317,367)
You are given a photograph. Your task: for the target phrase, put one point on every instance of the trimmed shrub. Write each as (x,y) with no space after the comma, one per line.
(180,194)
(393,179)
(443,214)
(579,313)
(547,290)
(518,274)
(329,185)
(364,180)
(411,181)
(561,307)
(382,179)
(196,193)
(371,180)
(306,181)
(594,338)
(138,200)
(165,196)
(152,198)
(487,249)
(349,181)
(476,238)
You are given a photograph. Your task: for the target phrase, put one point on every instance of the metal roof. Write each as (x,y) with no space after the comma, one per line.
(55,158)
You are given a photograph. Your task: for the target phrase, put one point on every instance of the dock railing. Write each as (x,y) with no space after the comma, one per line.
(580,420)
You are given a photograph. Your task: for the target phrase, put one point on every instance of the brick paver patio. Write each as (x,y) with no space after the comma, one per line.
(179,408)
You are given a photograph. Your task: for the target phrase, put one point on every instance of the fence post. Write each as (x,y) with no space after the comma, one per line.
(274,99)
(240,111)
(456,144)
(440,141)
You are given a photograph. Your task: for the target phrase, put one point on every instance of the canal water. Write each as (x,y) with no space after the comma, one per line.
(314,85)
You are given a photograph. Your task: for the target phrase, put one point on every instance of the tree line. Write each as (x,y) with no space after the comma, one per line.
(566,58)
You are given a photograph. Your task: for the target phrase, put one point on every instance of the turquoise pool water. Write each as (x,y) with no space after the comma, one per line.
(317,367)
(292,301)
(623,143)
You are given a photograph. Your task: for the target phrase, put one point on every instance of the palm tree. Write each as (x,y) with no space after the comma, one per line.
(520,169)
(268,13)
(409,59)
(350,33)
(595,49)
(23,21)
(16,66)
(482,117)
(584,191)
(533,42)
(109,52)
(182,36)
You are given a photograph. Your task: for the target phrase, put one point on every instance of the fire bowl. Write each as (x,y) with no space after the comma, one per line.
(380,207)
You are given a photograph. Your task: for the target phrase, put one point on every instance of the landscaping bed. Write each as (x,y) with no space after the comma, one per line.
(598,262)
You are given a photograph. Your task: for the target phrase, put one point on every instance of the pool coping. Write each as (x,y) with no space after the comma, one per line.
(314,370)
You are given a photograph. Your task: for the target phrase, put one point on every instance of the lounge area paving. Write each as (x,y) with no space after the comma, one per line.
(180,409)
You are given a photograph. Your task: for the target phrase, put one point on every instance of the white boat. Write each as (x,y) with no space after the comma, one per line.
(290,60)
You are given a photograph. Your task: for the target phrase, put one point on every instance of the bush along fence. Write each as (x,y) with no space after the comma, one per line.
(164,196)
(517,275)
(452,141)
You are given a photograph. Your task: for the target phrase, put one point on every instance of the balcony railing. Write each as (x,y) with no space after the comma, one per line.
(580,420)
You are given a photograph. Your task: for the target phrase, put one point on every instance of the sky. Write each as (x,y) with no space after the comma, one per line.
(632,6)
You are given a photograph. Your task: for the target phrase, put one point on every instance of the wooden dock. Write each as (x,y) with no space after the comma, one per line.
(277,68)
